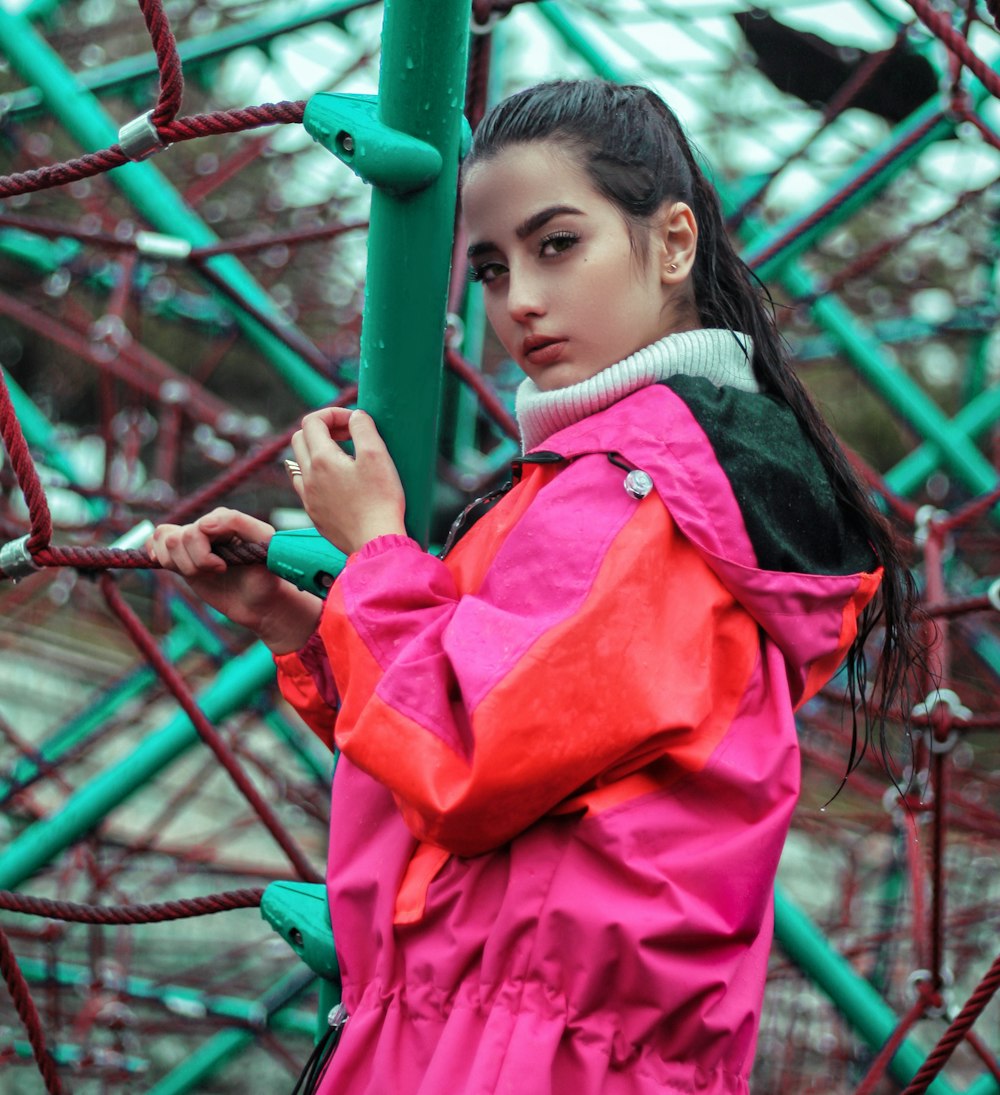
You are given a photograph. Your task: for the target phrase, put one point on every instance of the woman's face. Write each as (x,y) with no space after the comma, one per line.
(565,291)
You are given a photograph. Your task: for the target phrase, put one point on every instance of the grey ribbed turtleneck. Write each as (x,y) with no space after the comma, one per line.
(717,355)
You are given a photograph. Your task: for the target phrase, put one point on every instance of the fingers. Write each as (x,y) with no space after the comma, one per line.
(367,440)
(223,523)
(187,549)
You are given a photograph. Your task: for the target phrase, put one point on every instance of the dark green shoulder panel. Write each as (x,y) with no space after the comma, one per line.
(779,482)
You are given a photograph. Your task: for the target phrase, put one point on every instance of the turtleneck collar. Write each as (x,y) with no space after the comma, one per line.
(723,357)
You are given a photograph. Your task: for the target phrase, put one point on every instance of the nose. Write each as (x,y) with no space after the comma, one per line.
(525,295)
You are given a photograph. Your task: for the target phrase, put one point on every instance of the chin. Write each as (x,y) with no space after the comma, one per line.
(563,376)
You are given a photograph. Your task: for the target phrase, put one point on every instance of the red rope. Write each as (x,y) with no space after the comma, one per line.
(989,135)
(167,61)
(21,995)
(489,399)
(180,909)
(867,260)
(24,470)
(943,29)
(206,731)
(842,195)
(951,1038)
(182,129)
(877,1070)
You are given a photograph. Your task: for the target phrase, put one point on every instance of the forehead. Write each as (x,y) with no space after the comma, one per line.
(500,192)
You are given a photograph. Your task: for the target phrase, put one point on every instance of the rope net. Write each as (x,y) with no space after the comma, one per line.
(153,370)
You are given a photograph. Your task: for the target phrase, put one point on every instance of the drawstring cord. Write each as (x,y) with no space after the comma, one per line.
(308,1081)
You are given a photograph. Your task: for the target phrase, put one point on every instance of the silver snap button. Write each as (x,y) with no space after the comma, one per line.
(638,483)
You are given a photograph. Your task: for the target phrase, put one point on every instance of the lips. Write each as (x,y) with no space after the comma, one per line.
(542,350)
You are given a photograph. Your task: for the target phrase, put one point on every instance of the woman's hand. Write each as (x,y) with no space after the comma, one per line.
(350,499)
(281,615)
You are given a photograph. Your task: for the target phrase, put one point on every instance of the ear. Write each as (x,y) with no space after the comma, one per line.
(678,238)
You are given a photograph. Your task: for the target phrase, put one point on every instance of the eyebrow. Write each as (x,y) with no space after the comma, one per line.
(526,227)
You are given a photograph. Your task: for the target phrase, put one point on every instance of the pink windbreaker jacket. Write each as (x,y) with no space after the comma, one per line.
(569,757)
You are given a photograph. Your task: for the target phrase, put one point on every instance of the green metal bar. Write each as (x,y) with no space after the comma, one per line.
(181,999)
(972,420)
(150,193)
(121,74)
(39,431)
(855,998)
(421,92)
(38,252)
(235,685)
(579,42)
(224,1046)
(934,124)
(904,395)
(64,1054)
(974,381)
(51,751)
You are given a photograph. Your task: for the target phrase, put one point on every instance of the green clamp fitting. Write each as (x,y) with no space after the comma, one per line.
(300,914)
(350,128)
(305,558)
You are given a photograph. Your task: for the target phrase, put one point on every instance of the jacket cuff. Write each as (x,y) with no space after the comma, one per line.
(382,544)
(310,663)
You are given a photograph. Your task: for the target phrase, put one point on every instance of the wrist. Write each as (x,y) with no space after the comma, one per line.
(287,625)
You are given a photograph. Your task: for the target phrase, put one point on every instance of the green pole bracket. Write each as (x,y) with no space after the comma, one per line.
(350,128)
(300,913)
(305,558)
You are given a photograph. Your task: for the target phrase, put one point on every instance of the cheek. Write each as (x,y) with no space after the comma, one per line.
(495,312)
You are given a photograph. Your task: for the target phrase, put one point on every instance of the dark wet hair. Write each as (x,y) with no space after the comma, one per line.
(638,157)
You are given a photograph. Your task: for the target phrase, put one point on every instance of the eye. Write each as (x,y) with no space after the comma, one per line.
(555,243)
(487,272)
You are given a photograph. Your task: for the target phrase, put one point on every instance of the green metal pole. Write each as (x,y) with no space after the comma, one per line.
(227,1044)
(854,997)
(421,93)
(152,196)
(235,685)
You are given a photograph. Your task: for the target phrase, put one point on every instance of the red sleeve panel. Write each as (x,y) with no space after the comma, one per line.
(482,709)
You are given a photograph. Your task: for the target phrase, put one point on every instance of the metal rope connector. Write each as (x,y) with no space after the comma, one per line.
(16,561)
(957,712)
(139,138)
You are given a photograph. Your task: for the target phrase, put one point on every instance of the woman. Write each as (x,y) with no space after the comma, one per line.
(568,748)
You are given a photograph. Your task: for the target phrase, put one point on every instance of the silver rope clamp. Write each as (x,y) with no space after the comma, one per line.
(139,139)
(16,561)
